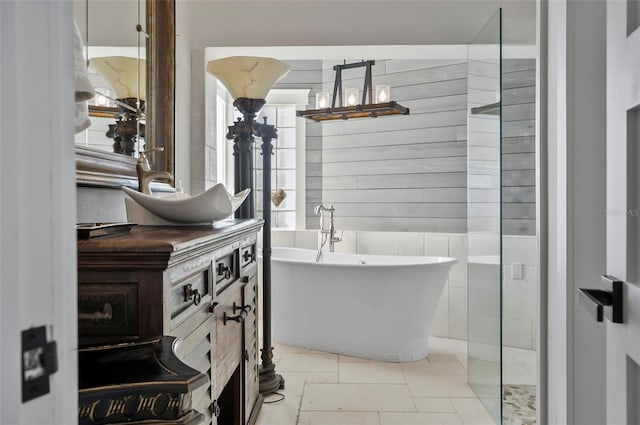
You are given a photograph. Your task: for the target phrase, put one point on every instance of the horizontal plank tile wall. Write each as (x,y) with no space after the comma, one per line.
(409,173)
(400,173)
(518,147)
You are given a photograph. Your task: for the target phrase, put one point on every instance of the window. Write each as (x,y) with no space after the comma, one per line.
(287,161)
(283,164)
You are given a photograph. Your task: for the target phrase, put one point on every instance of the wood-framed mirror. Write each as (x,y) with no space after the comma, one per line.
(96,167)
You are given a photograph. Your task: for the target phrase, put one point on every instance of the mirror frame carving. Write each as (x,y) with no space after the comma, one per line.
(105,169)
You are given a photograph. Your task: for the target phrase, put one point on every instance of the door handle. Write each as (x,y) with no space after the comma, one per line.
(606,302)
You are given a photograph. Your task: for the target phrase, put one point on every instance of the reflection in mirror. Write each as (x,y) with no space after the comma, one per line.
(109,23)
(117,69)
(124,75)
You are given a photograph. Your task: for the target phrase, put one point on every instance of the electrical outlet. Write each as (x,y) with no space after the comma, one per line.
(517,271)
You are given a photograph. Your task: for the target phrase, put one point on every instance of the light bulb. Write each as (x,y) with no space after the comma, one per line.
(351,96)
(383,93)
(322,100)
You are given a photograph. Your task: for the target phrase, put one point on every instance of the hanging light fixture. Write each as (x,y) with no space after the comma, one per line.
(348,106)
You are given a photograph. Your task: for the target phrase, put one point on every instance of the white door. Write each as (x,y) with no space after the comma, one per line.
(623,207)
(37,208)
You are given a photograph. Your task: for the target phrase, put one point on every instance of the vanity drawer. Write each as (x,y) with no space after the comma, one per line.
(108,309)
(229,339)
(189,299)
(247,255)
(227,271)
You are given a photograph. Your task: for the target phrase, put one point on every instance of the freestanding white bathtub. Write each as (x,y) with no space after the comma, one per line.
(376,307)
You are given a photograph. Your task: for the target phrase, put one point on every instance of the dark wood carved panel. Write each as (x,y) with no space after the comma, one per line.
(143,382)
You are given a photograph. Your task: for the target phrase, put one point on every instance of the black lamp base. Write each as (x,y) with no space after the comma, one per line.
(270,381)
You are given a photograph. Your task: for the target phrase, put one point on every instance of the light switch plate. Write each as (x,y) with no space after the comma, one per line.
(517,271)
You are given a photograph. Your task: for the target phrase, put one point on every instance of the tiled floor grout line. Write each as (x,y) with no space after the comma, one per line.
(304,385)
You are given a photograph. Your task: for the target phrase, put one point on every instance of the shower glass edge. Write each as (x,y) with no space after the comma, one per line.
(484,215)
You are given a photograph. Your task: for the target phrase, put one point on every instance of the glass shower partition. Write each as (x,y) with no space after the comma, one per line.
(484,212)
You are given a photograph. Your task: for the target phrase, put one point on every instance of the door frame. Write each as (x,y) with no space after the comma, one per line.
(573,119)
(37,203)
(541,208)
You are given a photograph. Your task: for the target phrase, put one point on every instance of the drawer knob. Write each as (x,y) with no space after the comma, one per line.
(224,270)
(248,256)
(192,294)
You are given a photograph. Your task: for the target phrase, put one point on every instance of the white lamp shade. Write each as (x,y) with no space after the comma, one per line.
(248,76)
(122,74)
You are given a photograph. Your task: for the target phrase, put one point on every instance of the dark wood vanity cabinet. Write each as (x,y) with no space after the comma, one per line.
(198,284)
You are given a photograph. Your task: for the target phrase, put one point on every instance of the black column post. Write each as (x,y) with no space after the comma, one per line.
(242,134)
(269,380)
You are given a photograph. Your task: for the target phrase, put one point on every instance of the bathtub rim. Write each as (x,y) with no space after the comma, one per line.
(434,260)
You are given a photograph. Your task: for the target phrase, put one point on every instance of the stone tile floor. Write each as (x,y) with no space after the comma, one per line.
(519,404)
(331,389)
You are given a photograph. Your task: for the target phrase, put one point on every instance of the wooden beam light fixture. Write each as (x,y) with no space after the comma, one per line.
(347,108)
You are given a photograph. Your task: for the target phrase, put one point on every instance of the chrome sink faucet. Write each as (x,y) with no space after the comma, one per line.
(146,175)
(330,233)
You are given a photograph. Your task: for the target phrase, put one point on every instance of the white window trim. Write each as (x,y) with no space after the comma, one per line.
(278,97)
(300,99)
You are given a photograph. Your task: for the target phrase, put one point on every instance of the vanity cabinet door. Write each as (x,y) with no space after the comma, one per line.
(229,341)
(196,351)
(251,348)
(189,301)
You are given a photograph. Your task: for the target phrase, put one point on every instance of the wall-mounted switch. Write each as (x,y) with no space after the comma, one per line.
(517,271)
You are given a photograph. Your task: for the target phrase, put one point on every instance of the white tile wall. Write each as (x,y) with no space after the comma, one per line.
(348,244)
(520,249)
(281,238)
(436,245)
(458,250)
(519,296)
(390,243)
(517,333)
(307,239)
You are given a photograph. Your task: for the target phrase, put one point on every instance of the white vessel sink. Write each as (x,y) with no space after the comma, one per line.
(211,205)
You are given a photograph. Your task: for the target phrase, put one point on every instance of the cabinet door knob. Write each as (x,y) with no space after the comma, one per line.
(245,308)
(239,318)
(213,307)
(214,407)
